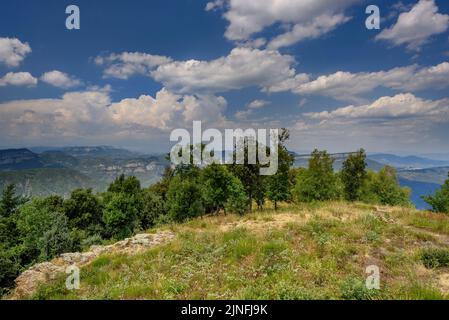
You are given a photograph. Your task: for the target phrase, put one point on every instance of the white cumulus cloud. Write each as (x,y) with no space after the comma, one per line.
(13,51)
(310,30)
(398,106)
(22,79)
(257,104)
(349,86)
(248,17)
(60,79)
(415,27)
(243,67)
(127,64)
(92,113)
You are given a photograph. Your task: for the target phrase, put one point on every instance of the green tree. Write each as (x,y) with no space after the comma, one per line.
(84,210)
(44,233)
(384,188)
(9,269)
(9,201)
(9,205)
(120,215)
(237,200)
(184,199)
(153,207)
(128,185)
(161,188)
(250,177)
(440,200)
(122,207)
(222,190)
(278,185)
(215,179)
(318,182)
(10,261)
(353,175)
(53,203)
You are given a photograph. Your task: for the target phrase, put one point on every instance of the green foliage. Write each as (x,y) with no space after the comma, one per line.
(318,182)
(44,232)
(222,190)
(384,188)
(120,215)
(278,188)
(53,203)
(435,258)
(8,231)
(249,176)
(9,268)
(237,199)
(153,207)
(353,175)
(129,185)
(215,179)
(9,201)
(278,185)
(184,199)
(9,238)
(9,204)
(161,188)
(440,200)
(84,210)
(355,289)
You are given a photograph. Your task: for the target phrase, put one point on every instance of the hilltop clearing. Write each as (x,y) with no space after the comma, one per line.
(316,251)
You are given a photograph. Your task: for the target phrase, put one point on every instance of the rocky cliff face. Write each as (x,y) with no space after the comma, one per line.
(28,282)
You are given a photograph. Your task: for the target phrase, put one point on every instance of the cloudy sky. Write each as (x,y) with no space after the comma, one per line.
(138,69)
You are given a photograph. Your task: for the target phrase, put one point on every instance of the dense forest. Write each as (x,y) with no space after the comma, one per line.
(38,229)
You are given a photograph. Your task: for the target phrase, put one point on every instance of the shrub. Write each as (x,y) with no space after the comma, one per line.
(44,233)
(440,200)
(129,185)
(184,199)
(89,241)
(9,269)
(237,199)
(10,202)
(435,258)
(319,182)
(353,175)
(355,289)
(84,210)
(278,185)
(153,207)
(215,180)
(384,188)
(222,190)
(120,215)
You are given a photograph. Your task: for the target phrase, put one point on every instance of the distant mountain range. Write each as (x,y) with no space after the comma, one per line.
(60,170)
(407,162)
(96,151)
(16,159)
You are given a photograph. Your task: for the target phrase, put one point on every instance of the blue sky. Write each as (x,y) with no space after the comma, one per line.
(138,69)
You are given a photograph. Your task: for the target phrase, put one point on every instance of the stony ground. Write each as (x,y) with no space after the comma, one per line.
(318,251)
(28,282)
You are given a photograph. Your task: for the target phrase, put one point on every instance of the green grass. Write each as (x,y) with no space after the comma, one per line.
(434,222)
(319,251)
